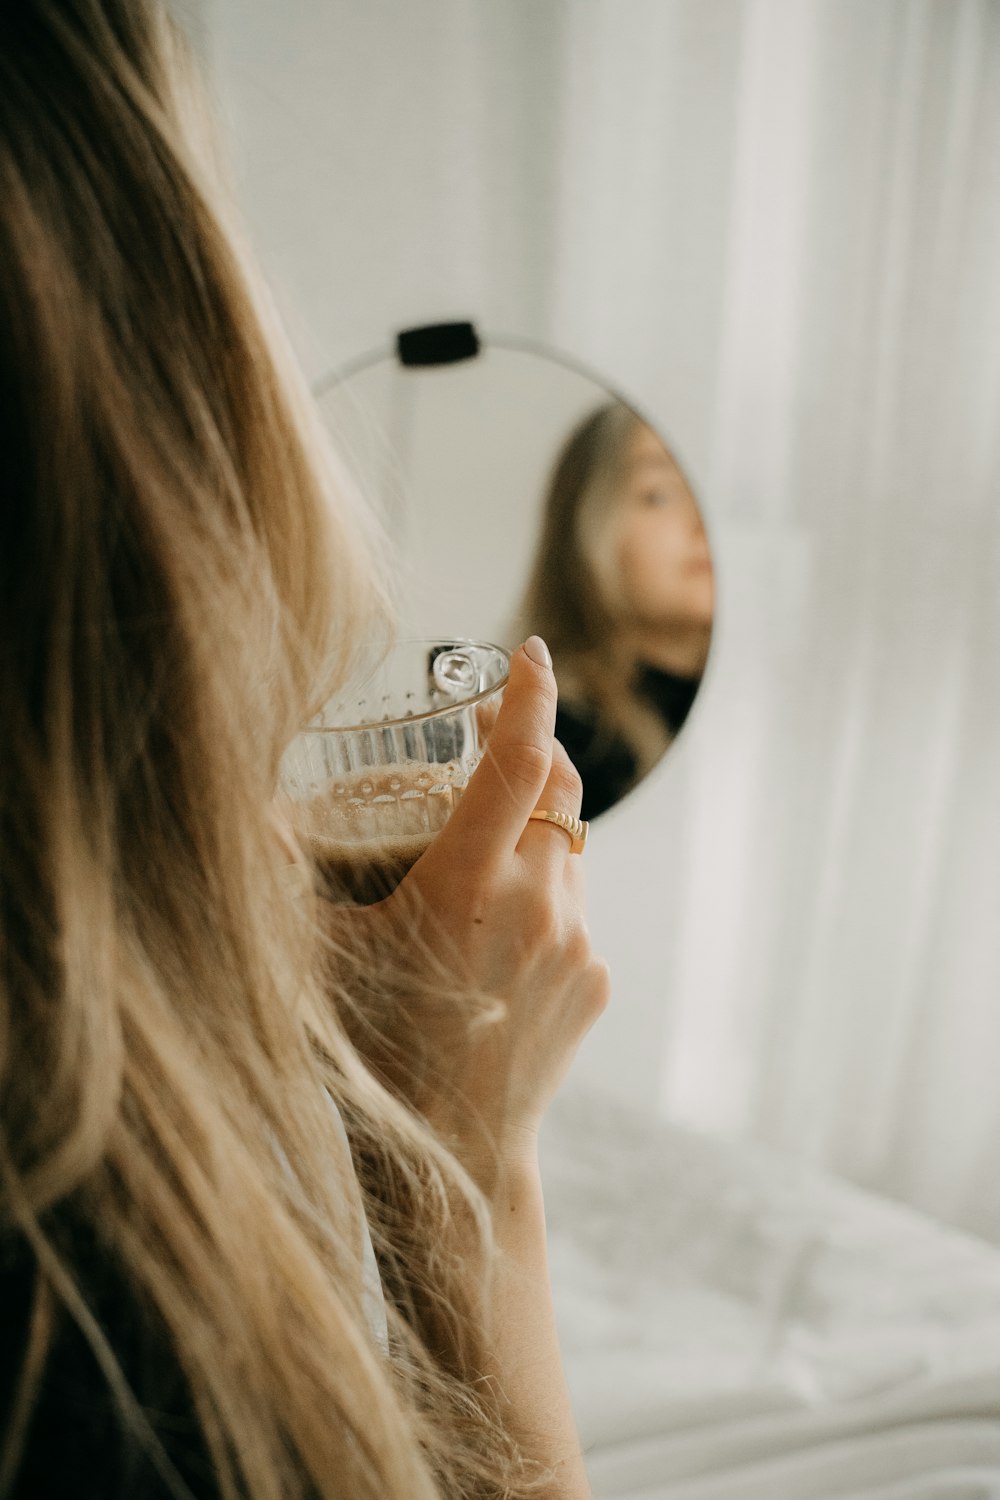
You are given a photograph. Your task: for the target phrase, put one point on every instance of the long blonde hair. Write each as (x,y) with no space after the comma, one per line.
(182,582)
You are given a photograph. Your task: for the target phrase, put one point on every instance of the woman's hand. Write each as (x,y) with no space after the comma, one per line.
(497,903)
(494,908)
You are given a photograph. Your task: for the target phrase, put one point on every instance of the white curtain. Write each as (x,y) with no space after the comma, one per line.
(777,224)
(833,977)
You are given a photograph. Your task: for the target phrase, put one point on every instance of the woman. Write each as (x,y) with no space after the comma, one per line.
(182,1038)
(622,590)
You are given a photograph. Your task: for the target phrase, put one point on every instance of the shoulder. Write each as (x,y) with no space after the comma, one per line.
(76,1441)
(671,696)
(605,760)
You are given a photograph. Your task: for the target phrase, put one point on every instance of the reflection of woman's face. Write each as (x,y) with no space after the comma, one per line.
(664,561)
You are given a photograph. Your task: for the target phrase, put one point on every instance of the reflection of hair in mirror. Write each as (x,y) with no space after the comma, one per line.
(621,590)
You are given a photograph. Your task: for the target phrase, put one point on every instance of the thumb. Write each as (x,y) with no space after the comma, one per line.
(506,785)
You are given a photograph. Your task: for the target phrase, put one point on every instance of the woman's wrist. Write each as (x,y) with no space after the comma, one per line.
(526,1362)
(496,1162)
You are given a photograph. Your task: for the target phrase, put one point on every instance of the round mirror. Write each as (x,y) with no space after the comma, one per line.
(525,496)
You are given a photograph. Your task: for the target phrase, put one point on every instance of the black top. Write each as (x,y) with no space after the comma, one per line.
(77,1446)
(606,761)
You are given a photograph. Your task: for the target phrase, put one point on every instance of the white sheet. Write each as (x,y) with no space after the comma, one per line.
(737,1325)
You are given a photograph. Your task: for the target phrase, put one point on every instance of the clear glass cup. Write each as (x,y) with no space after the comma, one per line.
(378,773)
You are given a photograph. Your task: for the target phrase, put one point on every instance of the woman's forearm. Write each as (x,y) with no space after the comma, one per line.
(526,1360)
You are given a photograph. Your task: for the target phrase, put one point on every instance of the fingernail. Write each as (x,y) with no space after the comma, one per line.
(536,648)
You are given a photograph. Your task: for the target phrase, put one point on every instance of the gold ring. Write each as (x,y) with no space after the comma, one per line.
(575,827)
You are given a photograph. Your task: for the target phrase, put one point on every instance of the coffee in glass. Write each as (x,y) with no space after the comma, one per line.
(377,775)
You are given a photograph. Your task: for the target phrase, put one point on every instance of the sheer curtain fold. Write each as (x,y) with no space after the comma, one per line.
(832,975)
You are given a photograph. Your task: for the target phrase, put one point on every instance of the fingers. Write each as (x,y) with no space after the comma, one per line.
(562,792)
(486,717)
(515,767)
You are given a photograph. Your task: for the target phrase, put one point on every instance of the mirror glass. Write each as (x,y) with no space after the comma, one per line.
(523,495)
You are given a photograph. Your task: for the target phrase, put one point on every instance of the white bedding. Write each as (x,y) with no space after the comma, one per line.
(737,1325)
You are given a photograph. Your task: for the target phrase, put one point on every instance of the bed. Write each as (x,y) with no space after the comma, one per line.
(736,1324)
